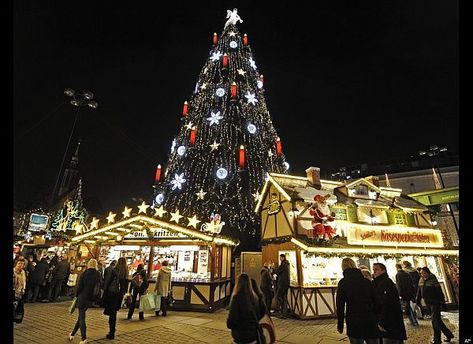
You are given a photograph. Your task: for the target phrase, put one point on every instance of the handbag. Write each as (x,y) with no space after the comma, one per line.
(71,281)
(114,287)
(169,299)
(268,329)
(147,302)
(18,310)
(126,301)
(97,293)
(137,281)
(73,305)
(157,302)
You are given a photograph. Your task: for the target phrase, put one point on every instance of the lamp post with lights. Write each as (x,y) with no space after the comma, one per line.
(79,100)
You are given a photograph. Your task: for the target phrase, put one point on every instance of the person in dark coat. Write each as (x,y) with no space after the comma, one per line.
(407,292)
(60,272)
(37,278)
(391,321)
(362,305)
(283,272)
(85,297)
(433,296)
(245,312)
(138,275)
(114,288)
(267,286)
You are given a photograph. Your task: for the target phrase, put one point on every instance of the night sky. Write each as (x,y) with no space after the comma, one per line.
(345,82)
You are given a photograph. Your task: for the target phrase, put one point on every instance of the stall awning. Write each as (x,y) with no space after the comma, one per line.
(160,229)
(374,250)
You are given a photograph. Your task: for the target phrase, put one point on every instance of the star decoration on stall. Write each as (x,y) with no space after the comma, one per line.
(214,118)
(201,194)
(251,98)
(214,146)
(270,153)
(175,216)
(178,181)
(160,211)
(142,208)
(126,213)
(94,223)
(111,217)
(241,72)
(193,221)
(232,34)
(189,125)
(252,63)
(256,196)
(203,86)
(216,56)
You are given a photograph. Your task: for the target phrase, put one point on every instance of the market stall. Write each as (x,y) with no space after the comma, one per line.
(200,261)
(317,223)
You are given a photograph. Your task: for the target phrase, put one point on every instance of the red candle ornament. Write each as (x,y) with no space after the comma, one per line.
(242,157)
(261,78)
(245,39)
(278,146)
(234,90)
(184,109)
(225,61)
(215,39)
(192,136)
(157,177)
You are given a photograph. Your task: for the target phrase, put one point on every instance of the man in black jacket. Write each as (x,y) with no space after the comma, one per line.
(267,285)
(405,287)
(391,323)
(36,279)
(59,275)
(283,284)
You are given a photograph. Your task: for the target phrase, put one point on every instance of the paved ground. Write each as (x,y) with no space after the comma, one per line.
(50,323)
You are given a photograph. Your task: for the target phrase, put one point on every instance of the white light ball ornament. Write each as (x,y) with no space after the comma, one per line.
(286,165)
(233,44)
(159,199)
(181,150)
(220,92)
(222,173)
(251,128)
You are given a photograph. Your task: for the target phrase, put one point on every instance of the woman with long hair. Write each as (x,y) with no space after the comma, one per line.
(139,284)
(245,312)
(85,294)
(115,287)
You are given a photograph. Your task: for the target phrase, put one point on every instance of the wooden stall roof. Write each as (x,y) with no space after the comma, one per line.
(111,232)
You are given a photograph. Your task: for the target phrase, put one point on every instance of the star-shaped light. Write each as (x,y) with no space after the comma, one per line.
(201,194)
(252,63)
(178,181)
(175,216)
(270,153)
(142,208)
(126,212)
(203,86)
(111,217)
(251,98)
(216,56)
(189,125)
(193,221)
(78,228)
(94,223)
(160,211)
(256,196)
(214,146)
(232,34)
(241,72)
(214,118)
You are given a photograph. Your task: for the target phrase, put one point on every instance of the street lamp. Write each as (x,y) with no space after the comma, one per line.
(434,151)
(79,100)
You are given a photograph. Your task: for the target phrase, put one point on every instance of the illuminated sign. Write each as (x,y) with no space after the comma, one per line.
(158,233)
(71,217)
(38,222)
(400,236)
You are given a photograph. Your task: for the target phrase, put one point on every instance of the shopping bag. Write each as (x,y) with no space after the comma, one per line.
(126,302)
(71,281)
(18,310)
(157,303)
(268,329)
(73,305)
(147,302)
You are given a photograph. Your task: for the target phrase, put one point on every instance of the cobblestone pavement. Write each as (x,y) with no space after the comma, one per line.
(50,323)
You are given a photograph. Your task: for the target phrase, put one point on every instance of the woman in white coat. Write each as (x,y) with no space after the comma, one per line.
(163,287)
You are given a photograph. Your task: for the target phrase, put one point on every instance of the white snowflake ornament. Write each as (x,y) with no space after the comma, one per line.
(214,118)
(251,98)
(178,181)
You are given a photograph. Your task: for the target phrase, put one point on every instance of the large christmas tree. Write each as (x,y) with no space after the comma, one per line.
(226,146)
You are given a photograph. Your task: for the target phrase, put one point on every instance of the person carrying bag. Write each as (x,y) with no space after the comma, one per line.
(138,285)
(163,288)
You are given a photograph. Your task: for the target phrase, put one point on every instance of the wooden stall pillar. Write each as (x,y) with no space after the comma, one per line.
(150,260)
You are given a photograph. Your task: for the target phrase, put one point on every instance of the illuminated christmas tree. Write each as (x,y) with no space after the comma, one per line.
(225,147)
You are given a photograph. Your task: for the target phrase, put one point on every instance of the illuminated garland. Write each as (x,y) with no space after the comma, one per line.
(205,174)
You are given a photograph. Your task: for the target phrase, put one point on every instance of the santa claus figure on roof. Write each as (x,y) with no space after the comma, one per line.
(322,215)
